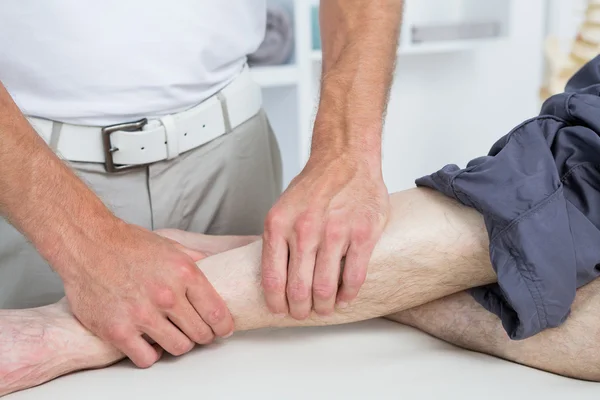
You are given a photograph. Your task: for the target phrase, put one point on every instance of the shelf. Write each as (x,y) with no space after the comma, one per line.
(440,26)
(432,47)
(275,76)
(446,46)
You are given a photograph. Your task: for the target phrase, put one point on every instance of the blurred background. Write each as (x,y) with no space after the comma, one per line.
(468,71)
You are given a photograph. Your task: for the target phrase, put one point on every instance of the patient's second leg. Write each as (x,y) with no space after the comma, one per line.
(571,350)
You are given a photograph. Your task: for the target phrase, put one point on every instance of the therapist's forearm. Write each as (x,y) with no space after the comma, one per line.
(39,194)
(359,42)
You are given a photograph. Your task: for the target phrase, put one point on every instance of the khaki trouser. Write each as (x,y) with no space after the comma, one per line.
(226,186)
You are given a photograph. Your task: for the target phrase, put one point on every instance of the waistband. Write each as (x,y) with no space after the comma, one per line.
(138,143)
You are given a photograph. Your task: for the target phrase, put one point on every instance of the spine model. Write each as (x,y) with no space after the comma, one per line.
(584,48)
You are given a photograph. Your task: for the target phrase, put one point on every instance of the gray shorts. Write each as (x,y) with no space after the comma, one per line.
(539,192)
(226,186)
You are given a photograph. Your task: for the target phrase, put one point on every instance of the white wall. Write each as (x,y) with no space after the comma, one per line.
(450,108)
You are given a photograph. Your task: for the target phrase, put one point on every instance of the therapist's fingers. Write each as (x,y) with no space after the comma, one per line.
(159,351)
(355,272)
(139,351)
(166,335)
(210,306)
(274,265)
(303,252)
(185,317)
(327,271)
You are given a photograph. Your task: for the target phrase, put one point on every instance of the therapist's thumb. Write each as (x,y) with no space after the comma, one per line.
(193,254)
(172,235)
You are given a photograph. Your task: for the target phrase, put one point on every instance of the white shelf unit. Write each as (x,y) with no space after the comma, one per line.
(290,91)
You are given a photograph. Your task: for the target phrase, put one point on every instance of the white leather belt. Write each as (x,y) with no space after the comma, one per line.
(143,142)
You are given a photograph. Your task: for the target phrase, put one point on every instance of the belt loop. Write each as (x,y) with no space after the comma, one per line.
(171,136)
(223,101)
(55,135)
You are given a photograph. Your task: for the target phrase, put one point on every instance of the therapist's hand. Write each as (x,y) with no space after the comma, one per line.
(337,207)
(133,282)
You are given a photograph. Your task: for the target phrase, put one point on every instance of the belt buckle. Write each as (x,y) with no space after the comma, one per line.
(109,149)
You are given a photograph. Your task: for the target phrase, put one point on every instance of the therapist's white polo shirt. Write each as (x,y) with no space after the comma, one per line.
(99,62)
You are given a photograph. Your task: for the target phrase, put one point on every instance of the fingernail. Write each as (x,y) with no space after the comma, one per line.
(280,316)
(342,304)
(228,335)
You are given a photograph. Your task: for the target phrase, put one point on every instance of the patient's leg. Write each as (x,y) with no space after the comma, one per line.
(39,344)
(432,247)
(570,350)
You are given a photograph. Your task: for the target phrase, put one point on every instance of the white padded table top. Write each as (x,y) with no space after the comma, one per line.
(375,359)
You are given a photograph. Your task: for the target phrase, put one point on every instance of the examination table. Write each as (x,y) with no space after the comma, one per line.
(376,359)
